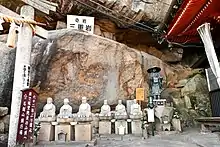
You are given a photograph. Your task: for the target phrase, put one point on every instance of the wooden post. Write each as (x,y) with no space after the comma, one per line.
(23,54)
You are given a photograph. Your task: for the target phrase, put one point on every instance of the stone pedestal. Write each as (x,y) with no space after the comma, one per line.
(128,105)
(104,127)
(83,132)
(136,127)
(166,127)
(46,132)
(63,132)
(159,112)
(176,124)
(119,123)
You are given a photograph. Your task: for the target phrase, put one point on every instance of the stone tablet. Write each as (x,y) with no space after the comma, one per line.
(136,112)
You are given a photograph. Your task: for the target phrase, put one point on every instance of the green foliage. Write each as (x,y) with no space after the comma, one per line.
(176,114)
(37,127)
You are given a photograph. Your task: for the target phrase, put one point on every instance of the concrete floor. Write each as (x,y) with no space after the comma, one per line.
(191,138)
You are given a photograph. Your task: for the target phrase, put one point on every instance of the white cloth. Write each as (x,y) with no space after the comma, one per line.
(205,34)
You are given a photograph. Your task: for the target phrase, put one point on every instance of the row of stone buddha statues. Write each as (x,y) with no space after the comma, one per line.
(84,112)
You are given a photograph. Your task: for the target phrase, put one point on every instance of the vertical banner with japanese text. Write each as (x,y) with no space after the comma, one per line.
(26,76)
(26,117)
(84,23)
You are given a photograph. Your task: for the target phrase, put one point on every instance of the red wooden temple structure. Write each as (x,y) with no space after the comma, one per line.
(191,14)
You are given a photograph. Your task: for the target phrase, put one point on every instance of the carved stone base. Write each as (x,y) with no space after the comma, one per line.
(83,132)
(46,132)
(65,120)
(135,117)
(105,117)
(84,119)
(104,127)
(63,132)
(47,119)
(119,123)
(166,127)
(176,124)
(121,117)
(136,127)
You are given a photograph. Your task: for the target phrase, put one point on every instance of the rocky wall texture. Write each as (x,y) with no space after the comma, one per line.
(190,97)
(4,126)
(7,57)
(71,64)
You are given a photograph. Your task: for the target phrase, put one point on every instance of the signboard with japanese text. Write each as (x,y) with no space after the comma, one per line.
(26,117)
(26,76)
(140,94)
(83,23)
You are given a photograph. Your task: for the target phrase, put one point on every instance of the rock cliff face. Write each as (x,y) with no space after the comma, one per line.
(71,65)
(190,97)
(7,57)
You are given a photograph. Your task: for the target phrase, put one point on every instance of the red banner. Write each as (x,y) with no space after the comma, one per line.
(27,115)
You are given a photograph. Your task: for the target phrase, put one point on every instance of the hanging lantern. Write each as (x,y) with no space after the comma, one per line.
(12,35)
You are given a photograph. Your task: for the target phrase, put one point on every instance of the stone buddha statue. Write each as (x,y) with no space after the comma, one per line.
(135,110)
(65,110)
(84,109)
(105,110)
(48,113)
(120,111)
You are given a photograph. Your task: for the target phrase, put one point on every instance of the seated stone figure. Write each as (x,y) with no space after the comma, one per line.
(105,110)
(120,111)
(135,110)
(65,110)
(48,113)
(84,109)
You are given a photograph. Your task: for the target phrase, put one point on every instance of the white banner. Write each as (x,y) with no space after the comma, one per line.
(26,75)
(83,23)
(205,34)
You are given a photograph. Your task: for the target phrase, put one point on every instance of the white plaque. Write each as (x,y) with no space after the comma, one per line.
(26,75)
(150,114)
(84,23)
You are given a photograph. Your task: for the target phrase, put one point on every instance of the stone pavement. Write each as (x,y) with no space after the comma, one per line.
(186,139)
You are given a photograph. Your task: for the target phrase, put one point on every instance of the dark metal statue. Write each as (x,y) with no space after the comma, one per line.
(155,85)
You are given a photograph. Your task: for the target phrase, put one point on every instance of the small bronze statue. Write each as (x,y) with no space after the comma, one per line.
(155,84)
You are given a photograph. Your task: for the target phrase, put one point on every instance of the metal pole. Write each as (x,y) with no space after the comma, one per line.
(23,54)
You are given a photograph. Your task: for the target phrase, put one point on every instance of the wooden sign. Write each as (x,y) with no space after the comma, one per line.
(140,94)
(26,117)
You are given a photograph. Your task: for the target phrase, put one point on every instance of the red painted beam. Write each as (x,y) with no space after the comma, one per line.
(192,13)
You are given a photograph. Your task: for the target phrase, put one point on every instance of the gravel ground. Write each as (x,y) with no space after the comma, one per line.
(191,138)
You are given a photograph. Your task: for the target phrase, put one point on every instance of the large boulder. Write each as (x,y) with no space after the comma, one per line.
(3,111)
(7,61)
(197,90)
(73,64)
(190,97)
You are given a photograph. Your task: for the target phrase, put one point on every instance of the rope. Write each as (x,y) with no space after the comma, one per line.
(146,28)
(19,20)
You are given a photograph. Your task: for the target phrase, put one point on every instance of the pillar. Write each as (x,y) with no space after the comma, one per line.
(23,54)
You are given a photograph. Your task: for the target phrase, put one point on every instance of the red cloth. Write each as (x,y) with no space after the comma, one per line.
(192,13)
